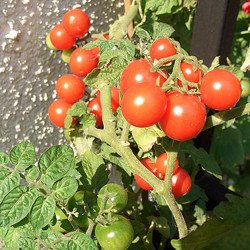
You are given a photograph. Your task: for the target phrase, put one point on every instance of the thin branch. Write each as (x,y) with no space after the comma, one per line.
(127,5)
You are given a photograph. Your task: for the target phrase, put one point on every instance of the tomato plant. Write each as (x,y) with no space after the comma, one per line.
(220,89)
(143,105)
(130,108)
(117,235)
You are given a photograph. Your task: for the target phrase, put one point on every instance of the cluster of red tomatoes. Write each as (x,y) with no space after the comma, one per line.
(181,181)
(70,88)
(144,103)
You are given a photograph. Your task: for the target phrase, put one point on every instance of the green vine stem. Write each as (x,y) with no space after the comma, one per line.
(168,195)
(224,116)
(125,132)
(108,117)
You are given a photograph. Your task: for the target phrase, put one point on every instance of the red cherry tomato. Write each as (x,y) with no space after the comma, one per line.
(161,165)
(184,118)
(70,88)
(149,164)
(76,22)
(115,98)
(60,38)
(143,105)
(190,74)
(95,108)
(57,112)
(83,61)
(138,72)
(181,182)
(220,89)
(246,7)
(161,48)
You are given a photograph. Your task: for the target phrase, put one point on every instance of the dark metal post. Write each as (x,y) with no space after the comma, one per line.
(213,29)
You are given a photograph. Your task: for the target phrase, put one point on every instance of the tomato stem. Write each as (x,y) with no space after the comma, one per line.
(108,117)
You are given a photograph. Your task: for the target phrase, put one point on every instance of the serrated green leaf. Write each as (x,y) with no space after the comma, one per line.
(95,173)
(229,231)
(4,159)
(202,158)
(161,7)
(49,236)
(162,30)
(8,183)
(115,55)
(3,232)
(32,173)
(65,188)
(3,173)
(55,163)
(42,211)
(77,241)
(143,34)
(27,243)
(146,137)
(227,147)
(23,155)
(194,194)
(16,205)
(21,237)
(161,225)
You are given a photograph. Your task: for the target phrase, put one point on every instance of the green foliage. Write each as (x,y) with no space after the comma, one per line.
(229,229)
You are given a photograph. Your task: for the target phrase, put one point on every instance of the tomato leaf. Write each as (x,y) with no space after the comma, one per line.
(16,205)
(4,159)
(76,240)
(202,158)
(42,211)
(162,30)
(65,188)
(80,111)
(94,172)
(55,162)
(228,230)
(23,155)
(146,137)
(8,183)
(246,64)
(21,237)
(32,173)
(227,147)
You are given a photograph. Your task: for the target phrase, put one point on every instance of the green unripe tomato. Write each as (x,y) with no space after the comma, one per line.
(77,201)
(66,54)
(245,84)
(117,235)
(114,196)
(49,43)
